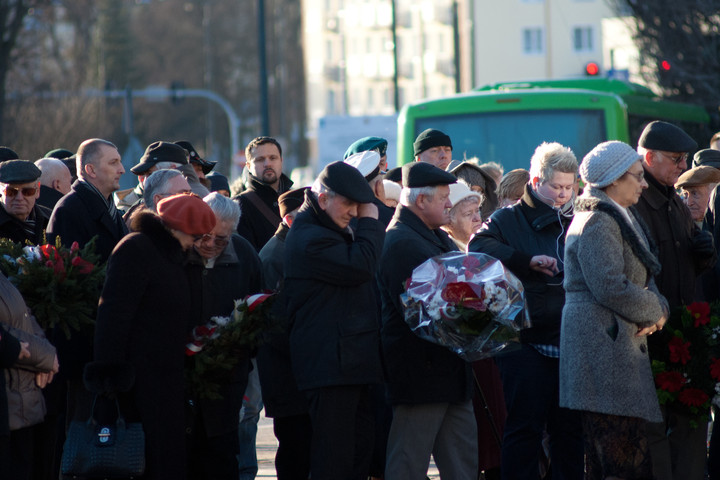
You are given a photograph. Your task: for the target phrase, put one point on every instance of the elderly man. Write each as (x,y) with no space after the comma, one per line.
(677,449)
(259,203)
(434,147)
(334,338)
(21,218)
(429,386)
(369,164)
(55,181)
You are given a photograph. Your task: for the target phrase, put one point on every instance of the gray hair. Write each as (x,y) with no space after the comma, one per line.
(409,195)
(318,187)
(166,165)
(88,153)
(550,158)
(225,209)
(156,184)
(51,169)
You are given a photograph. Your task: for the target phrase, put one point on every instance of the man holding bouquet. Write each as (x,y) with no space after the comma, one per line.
(430,387)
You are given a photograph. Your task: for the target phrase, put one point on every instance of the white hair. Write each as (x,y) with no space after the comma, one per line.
(225,209)
(409,195)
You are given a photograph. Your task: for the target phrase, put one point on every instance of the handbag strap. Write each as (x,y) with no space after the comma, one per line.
(269,215)
(120,421)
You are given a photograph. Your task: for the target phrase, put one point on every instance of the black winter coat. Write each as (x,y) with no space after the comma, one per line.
(143,320)
(514,235)
(235,275)
(417,371)
(14,229)
(48,197)
(280,394)
(334,336)
(254,226)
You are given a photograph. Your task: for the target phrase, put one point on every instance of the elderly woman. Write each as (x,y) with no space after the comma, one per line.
(611,305)
(465,217)
(142,327)
(223,267)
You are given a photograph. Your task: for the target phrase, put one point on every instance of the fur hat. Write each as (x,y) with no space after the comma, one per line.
(607,162)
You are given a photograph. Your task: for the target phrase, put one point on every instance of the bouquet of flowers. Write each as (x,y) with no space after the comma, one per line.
(686,359)
(468,303)
(214,349)
(60,285)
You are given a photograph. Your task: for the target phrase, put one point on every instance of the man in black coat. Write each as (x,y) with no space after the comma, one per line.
(284,403)
(429,386)
(334,337)
(21,218)
(259,203)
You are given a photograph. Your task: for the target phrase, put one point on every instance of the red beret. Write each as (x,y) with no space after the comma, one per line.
(188,213)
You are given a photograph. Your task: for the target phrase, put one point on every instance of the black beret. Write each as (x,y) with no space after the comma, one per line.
(367,143)
(707,157)
(218,181)
(291,200)
(423,174)
(19,171)
(59,153)
(7,153)
(394,175)
(160,152)
(195,158)
(666,137)
(347,181)
(430,138)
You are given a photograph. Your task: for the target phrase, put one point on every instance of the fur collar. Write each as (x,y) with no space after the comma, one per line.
(597,201)
(148,223)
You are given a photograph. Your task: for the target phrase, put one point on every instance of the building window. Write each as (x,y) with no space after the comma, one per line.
(583,39)
(533,40)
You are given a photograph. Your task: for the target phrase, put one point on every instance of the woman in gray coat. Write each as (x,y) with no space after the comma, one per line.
(611,305)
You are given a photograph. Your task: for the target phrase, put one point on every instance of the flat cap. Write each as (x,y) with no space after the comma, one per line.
(347,181)
(366,144)
(158,152)
(394,175)
(666,137)
(367,162)
(707,157)
(696,176)
(430,138)
(195,158)
(59,153)
(7,153)
(291,200)
(19,171)
(188,213)
(423,174)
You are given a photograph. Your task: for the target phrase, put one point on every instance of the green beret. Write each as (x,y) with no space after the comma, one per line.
(59,153)
(365,144)
(423,174)
(18,171)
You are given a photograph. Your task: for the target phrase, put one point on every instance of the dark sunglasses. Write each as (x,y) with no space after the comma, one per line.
(26,191)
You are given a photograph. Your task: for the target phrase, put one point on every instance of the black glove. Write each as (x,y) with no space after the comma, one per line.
(703,245)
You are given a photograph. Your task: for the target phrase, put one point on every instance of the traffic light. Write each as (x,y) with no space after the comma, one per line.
(665,65)
(592,69)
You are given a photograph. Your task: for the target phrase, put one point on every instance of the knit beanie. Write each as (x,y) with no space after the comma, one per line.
(607,162)
(188,213)
(430,138)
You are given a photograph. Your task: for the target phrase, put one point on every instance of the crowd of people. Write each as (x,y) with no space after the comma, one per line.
(605,249)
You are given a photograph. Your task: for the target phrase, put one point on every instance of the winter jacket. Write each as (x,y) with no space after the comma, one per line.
(254,226)
(14,229)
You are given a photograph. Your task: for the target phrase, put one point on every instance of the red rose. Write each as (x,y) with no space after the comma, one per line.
(693,397)
(461,293)
(670,381)
(679,350)
(700,312)
(84,266)
(715,368)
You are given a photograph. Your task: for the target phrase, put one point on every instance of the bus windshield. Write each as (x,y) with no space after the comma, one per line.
(510,137)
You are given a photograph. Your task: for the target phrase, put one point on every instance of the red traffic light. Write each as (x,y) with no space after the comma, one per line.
(592,69)
(665,65)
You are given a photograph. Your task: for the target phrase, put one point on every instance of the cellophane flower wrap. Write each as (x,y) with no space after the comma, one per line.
(60,285)
(214,349)
(469,303)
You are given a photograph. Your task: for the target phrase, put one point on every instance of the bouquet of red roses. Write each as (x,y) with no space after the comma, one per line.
(468,303)
(686,359)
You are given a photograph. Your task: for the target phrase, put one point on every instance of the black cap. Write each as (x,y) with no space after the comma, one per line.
(59,153)
(707,157)
(666,137)
(394,175)
(218,181)
(19,171)
(195,158)
(291,200)
(365,144)
(430,138)
(347,181)
(159,152)
(423,174)
(7,153)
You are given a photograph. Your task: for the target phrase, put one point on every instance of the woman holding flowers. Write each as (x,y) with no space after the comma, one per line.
(611,305)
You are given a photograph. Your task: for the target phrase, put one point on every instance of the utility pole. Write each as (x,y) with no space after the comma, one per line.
(264,109)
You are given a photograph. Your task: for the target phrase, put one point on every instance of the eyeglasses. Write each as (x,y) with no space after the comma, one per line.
(26,191)
(638,176)
(219,241)
(676,160)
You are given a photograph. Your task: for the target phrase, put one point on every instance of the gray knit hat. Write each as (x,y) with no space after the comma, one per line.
(607,162)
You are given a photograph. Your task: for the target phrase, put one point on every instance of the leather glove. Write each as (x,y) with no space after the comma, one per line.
(702,244)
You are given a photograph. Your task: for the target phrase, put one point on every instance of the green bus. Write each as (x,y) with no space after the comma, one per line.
(505,122)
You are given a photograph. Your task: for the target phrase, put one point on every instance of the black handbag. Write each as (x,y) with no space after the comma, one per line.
(95,450)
